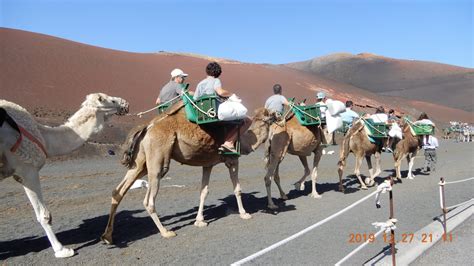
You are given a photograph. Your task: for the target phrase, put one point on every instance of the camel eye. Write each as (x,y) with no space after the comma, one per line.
(101,99)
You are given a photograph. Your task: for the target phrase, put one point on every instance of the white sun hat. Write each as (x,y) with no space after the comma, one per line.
(178,72)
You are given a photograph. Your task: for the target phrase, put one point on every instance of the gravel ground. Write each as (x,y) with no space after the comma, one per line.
(78,191)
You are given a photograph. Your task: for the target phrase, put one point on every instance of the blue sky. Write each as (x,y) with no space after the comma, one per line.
(258,31)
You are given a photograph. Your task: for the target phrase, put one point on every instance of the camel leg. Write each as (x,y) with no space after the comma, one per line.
(300,184)
(206,174)
(411,161)
(156,168)
(340,172)
(233,166)
(369,181)
(277,181)
(32,187)
(117,195)
(271,170)
(314,172)
(358,163)
(378,161)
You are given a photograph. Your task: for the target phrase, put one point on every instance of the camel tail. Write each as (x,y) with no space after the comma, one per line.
(132,144)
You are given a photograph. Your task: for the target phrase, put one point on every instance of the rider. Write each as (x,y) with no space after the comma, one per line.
(276,102)
(173,88)
(210,85)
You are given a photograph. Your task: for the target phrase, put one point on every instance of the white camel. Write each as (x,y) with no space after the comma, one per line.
(25,145)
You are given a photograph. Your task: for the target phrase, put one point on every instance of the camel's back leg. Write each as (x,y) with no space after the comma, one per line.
(206,174)
(119,192)
(314,172)
(411,161)
(30,181)
(233,165)
(299,185)
(157,167)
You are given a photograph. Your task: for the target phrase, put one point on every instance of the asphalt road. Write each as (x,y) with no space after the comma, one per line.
(78,195)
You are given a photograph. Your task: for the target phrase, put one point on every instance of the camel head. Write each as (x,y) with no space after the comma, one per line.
(258,131)
(106,104)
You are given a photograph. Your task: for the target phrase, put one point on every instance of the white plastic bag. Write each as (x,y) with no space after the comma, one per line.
(335,107)
(333,122)
(232,109)
(395,131)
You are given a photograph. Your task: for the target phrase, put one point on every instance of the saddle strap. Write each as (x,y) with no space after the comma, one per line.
(30,137)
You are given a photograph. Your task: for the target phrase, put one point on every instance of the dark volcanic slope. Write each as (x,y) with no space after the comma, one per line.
(417,80)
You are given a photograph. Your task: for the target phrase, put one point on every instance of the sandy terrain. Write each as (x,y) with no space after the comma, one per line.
(78,194)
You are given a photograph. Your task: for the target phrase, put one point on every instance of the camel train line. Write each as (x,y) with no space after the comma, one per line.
(25,144)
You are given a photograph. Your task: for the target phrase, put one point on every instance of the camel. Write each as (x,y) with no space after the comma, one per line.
(357,142)
(408,147)
(172,136)
(25,145)
(293,138)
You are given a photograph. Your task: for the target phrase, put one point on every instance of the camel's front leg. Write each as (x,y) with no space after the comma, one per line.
(358,163)
(277,181)
(206,173)
(271,170)
(31,184)
(411,161)
(233,166)
(314,173)
(369,181)
(300,184)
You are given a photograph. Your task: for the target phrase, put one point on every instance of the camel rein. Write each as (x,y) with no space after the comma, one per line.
(140,114)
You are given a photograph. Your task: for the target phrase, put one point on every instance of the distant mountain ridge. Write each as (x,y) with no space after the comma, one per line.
(448,85)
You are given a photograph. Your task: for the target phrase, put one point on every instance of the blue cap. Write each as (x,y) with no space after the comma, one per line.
(321,95)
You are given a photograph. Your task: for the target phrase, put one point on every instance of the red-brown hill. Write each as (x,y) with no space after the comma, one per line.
(411,79)
(43,72)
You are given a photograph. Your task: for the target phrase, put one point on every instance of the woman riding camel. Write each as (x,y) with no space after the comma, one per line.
(210,85)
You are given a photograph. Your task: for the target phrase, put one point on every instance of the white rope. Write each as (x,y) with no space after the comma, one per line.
(459,181)
(358,248)
(382,188)
(457,205)
(302,232)
(211,112)
(140,114)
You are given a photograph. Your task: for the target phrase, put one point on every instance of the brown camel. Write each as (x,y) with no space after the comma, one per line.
(357,142)
(407,147)
(293,138)
(172,136)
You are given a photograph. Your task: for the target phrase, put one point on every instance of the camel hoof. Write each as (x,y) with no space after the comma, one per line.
(299,186)
(315,196)
(200,224)
(363,187)
(410,177)
(272,206)
(168,234)
(64,253)
(341,188)
(107,239)
(245,216)
(284,197)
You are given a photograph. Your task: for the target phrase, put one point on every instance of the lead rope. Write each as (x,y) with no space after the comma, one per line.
(140,114)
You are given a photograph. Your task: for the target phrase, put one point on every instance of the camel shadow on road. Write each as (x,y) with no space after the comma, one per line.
(133,225)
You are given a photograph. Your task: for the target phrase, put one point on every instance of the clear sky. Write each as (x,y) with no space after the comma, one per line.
(258,31)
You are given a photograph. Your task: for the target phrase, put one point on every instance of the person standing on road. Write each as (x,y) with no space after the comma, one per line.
(430,144)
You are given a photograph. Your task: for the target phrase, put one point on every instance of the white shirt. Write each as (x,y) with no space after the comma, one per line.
(430,142)
(379,118)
